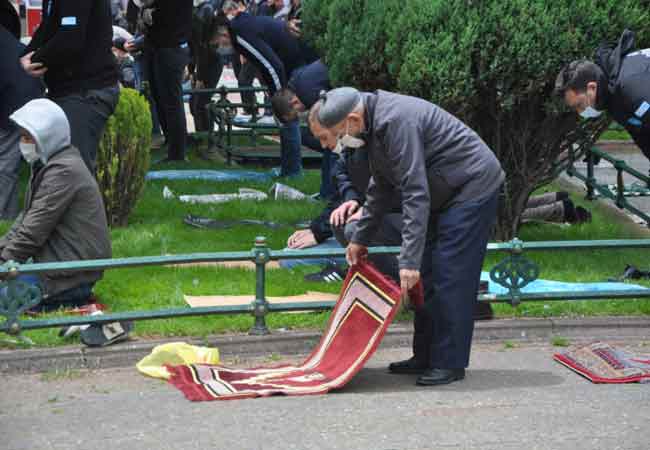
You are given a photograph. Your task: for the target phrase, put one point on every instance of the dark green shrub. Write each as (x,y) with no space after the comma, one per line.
(492,63)
(123,156)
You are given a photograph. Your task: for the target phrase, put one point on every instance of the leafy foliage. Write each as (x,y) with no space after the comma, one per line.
(123,157)
(492,63)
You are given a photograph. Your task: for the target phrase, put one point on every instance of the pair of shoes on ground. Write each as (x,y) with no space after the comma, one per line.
(428,377)
(98,334)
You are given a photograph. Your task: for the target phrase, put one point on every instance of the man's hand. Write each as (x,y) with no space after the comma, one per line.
(408,278)
(35,70)
(293,26)
(340,214)
(355,216)
(355,253)
(130,46)
(301,239)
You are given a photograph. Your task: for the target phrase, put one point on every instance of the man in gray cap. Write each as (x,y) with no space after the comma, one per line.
(448,181)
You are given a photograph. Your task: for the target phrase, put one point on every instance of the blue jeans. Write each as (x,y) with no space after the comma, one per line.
(327,186)
(451,271)
(328,243)
(88,112)
(290,159)
(76,296)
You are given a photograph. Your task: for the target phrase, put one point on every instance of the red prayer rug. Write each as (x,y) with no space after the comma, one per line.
(366,306)
(603,363)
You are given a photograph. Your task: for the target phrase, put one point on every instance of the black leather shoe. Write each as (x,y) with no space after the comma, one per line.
(411,365)
(434,377)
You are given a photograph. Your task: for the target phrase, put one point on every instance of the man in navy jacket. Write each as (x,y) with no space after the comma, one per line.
(276,53)
(300,94)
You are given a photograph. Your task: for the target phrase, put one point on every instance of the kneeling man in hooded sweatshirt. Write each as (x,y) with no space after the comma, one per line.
(63,218)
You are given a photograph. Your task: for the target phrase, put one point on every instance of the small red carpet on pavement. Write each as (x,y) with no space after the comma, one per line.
(603,363)
(366,306)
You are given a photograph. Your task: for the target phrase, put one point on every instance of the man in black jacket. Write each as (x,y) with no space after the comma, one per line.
(71,50)
(16,89)
(618,81)
(167,53)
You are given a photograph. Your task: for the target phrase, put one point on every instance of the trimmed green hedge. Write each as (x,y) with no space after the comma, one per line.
(492,63)
(124,155)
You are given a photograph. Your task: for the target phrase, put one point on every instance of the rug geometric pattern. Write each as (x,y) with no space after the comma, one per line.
(602,363)
(366,306)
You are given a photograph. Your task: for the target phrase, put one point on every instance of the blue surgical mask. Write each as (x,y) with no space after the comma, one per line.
(348,141)
(590,113)
(29,152)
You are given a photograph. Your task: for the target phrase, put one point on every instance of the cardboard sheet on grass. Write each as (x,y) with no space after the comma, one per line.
(366,306)
(237,300)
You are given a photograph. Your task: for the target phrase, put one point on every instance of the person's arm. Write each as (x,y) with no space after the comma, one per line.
(405,150)
(344,186)
(50,202)
(320,226)
(69,40)
(265,60)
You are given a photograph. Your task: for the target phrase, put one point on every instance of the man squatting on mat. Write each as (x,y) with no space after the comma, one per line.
(447,181)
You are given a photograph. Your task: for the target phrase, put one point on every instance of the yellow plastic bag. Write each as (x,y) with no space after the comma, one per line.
(175,354)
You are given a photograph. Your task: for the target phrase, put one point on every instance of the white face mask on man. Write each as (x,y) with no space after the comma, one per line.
(29,152)
(590,113)
(348,141)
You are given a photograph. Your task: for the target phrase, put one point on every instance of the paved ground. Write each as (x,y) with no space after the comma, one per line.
(515,398)
(606,174)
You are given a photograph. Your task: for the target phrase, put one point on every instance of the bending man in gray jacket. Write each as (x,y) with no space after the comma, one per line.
(447,180)
(64,217)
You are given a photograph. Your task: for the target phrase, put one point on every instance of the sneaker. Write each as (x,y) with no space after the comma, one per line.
(267,120)
(242,118)
(330,274)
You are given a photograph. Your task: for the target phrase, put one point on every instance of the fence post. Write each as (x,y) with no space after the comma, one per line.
(591,179)
(619,165)
(260,305)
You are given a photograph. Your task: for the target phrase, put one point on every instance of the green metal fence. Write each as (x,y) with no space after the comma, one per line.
(514,272)
(622,192)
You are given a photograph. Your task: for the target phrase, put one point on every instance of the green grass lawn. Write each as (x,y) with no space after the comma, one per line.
(156,228)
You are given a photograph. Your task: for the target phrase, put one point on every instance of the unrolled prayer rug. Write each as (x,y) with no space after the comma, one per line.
(603,363)
(366,306)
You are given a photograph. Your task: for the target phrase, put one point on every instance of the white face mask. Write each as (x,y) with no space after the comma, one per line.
(230,17)
(29,152)
(590,113)
(348,141)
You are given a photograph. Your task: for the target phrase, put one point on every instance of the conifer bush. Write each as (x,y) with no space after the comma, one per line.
(492,63)
(124,155)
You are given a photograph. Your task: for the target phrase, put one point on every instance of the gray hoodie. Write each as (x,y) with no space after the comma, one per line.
(64,217)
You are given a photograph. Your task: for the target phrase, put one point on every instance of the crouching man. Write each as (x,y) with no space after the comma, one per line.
(63,218)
